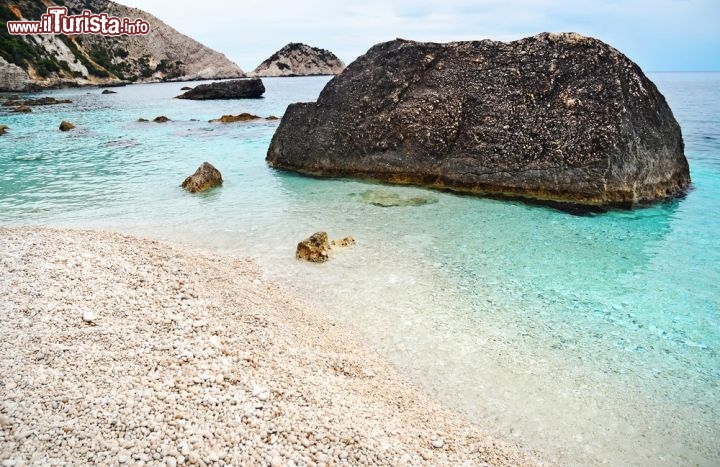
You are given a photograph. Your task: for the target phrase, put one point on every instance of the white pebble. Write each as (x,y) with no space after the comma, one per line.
(89,317)
(437,443)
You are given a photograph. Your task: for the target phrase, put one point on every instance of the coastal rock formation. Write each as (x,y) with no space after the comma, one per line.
(159,119)
(297,59)
(66,126)
(315,249)
(243,117)
(3,129)
(204,178)
(234,89)
(23,109)
(50,60)
(554,117)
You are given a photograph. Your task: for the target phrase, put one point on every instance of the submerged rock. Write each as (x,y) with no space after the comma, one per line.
(343,242)
(142,120)
(23,109)
(555,117)
(387,198)
(3,129)
(243,117)
(315,249)
(107,91)
(297,59)
(204,178)
(161,119)
(233,89)
(66,126)
(39,101)
(185,88)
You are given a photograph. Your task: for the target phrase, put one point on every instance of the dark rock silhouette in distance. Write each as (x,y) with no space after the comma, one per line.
(107,91)
(233,89)
(560,118)
(204,178)
(161,119)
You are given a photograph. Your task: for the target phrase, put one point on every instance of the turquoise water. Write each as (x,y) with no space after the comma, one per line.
(590,339)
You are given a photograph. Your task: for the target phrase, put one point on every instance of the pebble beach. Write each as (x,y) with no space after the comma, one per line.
(118,350)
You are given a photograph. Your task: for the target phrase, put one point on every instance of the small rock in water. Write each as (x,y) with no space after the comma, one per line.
(344,242)
(204,178)
(66,126)
(315,249)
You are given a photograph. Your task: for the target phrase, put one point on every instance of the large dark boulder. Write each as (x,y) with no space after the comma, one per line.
(556,117)
(233,89)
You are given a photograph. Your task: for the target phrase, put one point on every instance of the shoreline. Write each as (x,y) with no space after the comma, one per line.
(122,349)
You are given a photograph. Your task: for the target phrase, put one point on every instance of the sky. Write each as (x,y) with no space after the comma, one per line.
(659,35)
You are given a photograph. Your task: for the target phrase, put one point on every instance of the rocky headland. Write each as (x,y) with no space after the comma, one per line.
(31,62)
(297,59)
(555,117)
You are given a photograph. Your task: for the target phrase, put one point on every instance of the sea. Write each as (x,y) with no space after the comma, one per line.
(585,339)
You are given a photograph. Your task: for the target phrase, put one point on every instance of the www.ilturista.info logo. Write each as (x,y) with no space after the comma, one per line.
(57,21)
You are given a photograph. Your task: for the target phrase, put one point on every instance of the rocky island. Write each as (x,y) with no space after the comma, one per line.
(233,89)
(555,117)
(297,59)
(30,62)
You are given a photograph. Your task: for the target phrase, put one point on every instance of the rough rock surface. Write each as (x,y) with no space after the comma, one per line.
(115,350)
(23,109)
(161,55)
(204,178)
(555,117)
(66,126)
(233,89)
(297,59)
(3,129)
(315,249)
(12,77)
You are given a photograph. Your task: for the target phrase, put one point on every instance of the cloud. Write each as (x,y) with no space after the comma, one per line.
(659,34)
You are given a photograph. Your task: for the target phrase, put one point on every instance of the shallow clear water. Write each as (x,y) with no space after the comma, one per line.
(592,339)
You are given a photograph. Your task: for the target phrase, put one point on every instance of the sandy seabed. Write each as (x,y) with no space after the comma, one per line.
(119,350)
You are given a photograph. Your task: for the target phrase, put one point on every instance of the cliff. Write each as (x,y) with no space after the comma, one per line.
(51,60)
(297,59)
(554,117)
